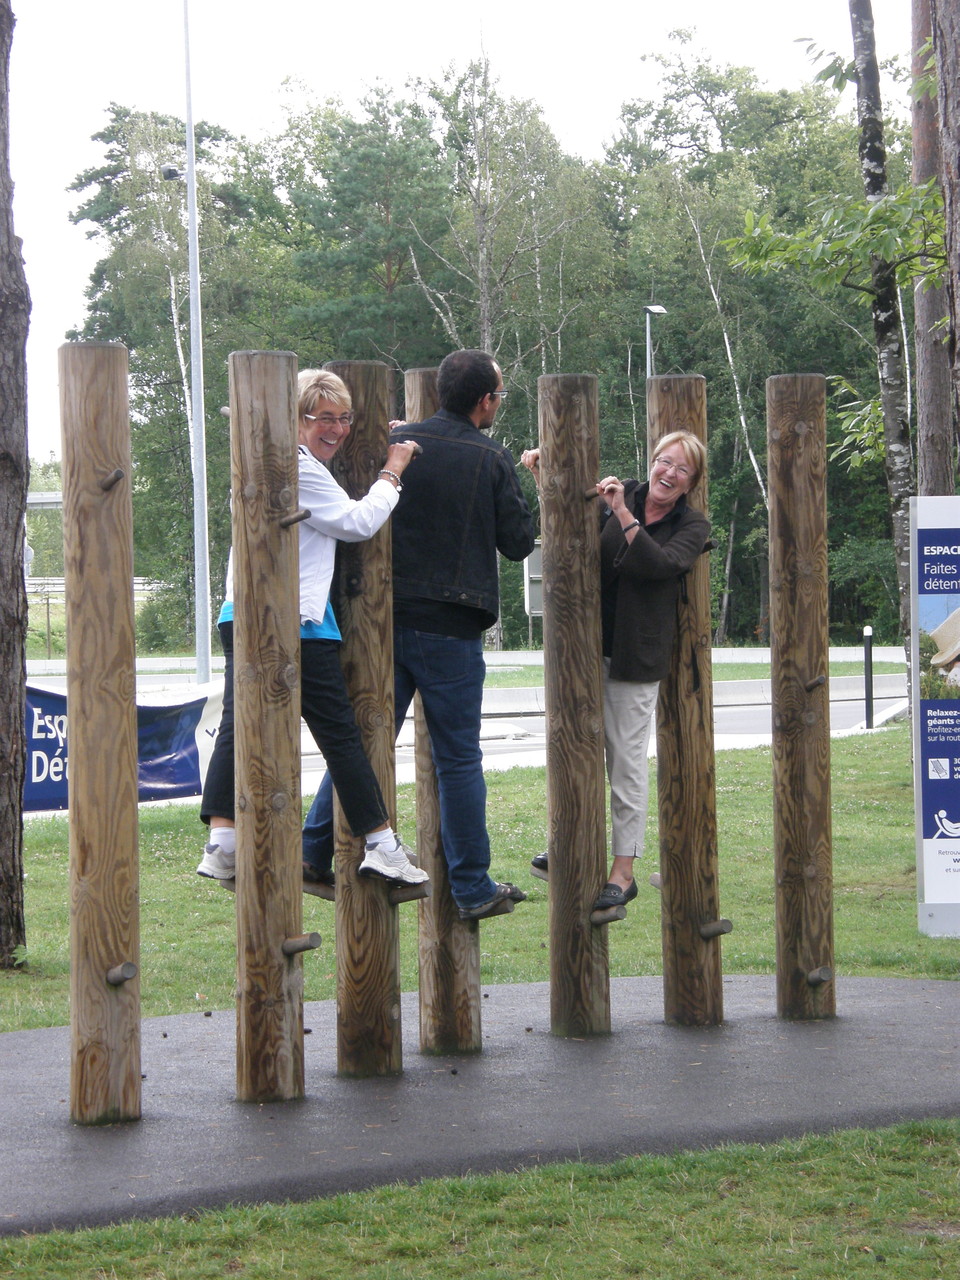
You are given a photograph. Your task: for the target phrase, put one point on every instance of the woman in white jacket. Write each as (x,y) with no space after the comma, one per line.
(325,419)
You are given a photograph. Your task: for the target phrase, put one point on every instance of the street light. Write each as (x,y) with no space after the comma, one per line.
(201,553)
(652,311)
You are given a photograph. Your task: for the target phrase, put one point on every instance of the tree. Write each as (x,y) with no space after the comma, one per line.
(873,245)
(680,177)
(14,478)
(45,527)
(511,220)
(885,303)
(945,15)
(377,177)
(936,447)
(138,295)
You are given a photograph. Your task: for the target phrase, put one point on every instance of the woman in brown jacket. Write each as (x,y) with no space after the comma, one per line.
(649,538)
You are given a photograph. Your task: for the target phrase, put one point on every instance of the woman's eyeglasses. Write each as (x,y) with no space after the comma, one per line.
(328,420)
(667,464)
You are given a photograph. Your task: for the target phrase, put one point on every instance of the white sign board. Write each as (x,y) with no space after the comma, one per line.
(533,582)
(935,570)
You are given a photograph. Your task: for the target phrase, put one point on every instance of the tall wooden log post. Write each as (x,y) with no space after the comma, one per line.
(449,948)
(573,677)
(686,769)
(266,630)
(101,702)
(800,692)
(368,933)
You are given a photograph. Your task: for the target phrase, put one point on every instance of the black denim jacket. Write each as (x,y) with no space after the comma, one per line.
(461,503)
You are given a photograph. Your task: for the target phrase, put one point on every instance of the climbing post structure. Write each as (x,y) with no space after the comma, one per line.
(800,695)
(573,690)
(101,702)
(266,630)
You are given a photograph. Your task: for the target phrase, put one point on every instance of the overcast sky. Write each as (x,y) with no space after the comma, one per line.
(71,60)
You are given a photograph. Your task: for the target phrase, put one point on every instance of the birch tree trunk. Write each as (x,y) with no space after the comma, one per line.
(14,476)
(898,461)
(945,21)
(936,452)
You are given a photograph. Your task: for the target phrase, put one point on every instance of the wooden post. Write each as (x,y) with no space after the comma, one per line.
(266,630)
(420,394)
(449,948)
(686,769)
(368,935)
(573,678)
(101,702)
(800,694)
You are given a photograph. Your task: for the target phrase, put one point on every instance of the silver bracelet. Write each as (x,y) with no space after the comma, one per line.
(628,527)
(393,476)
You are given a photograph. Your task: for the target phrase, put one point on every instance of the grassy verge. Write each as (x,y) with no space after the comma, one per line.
(844,1204)
(188,930)
(532,676)
(850,1204)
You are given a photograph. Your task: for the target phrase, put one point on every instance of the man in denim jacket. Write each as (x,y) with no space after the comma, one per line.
(458,507)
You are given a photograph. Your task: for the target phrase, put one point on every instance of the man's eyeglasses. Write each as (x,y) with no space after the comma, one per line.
(502,394)
(328,420)
(667,464)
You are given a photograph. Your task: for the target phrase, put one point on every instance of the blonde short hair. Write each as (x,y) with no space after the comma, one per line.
(693,449)
(320,384)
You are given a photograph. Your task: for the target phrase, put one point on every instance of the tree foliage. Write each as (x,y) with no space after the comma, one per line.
(451,216)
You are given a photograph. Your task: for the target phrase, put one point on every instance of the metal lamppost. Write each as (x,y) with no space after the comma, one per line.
(201,553)
(651,311)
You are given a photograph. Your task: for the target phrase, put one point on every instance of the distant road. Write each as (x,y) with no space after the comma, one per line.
(514,728)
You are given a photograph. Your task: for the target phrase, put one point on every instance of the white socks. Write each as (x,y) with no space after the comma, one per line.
(382,839)
(225,837)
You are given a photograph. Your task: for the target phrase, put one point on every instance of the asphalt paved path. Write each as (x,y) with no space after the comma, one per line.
(529,1098)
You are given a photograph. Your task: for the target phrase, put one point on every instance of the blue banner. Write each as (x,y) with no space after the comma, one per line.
(174,742)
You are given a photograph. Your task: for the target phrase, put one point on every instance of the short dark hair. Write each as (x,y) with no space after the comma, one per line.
(464,378)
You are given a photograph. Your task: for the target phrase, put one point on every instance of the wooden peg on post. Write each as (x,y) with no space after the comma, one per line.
(799,653)
(121,973)
(686,767)
(715,928)
(101,698)
(302,942)
(573,684)
(266,629)
(367,929)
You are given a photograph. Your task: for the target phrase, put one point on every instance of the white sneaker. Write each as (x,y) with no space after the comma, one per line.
(216,864)
(392,864)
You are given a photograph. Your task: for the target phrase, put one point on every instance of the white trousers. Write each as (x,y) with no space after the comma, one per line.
(628,711)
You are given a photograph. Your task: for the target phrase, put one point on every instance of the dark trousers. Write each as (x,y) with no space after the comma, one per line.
(326,708)
(448,673)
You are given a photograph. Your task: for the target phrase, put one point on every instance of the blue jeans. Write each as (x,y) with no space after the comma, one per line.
(448,674)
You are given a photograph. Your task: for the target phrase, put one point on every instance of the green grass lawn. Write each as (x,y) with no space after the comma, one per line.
(187,924)
(871,1204)
(525,677)
(852,1204)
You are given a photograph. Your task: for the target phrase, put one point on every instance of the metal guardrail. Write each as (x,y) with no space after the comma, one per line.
(53,588)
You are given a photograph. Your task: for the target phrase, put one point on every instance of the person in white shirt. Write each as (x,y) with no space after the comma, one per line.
(325,419)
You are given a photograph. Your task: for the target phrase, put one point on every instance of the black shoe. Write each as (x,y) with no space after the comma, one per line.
(313,875)
(503,893)
(539,867)
(611,895)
